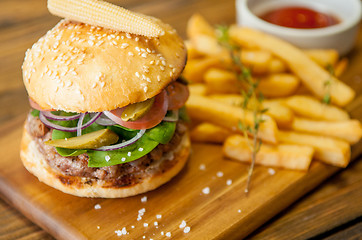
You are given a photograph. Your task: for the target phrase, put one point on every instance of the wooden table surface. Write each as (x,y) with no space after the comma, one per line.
(332,211)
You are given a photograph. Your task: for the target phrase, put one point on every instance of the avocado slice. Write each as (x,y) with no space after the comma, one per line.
(91,140)
(137,110)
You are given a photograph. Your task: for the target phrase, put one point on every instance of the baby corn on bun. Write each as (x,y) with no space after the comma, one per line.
(107,114)
(78,64)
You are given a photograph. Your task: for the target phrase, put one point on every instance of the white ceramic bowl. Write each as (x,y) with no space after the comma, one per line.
(341,36)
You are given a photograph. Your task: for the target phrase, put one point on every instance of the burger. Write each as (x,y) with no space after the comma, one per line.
(107,117)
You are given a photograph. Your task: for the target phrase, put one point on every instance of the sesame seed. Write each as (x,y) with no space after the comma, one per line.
(92,37)
(202,166)
(206,190)
(145,224)
(158,78)
(137,49)
(158,216)
(152,62)
(137,39)
(123,159)
(145,89)
(219,174)
(129,154)
(239,211)
(148,79)
(163,62)
(114,43)
(162,68)
(137,74)
(128,35)
(98,227)
(90,42)
(162,233)
(107,158)
(155,223)
(144,55)
(130,54)
(124,45)
(97,206)
(148,50)
(168,234)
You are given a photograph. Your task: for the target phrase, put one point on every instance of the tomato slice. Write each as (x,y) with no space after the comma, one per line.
(151,119)
(36,106)
(178,94)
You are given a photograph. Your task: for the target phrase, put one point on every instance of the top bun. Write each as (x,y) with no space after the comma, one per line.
(77,67)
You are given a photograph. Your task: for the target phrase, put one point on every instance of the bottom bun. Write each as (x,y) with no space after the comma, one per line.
(35,162)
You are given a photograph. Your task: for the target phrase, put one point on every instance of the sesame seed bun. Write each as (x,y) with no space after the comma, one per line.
(77,67)
(35,162)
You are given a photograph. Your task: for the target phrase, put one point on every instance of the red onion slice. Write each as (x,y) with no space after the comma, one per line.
(105,121)
(80,124)
(51,116)
(66,129)
(173,117)
(123,144)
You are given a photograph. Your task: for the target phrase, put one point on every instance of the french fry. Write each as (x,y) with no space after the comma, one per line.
(327,149)
(208,110)
(309,107)
(230,99)
(282,115)
(276,66)
(278,85)
(282,155)
(221,81)
(198,25)
(208,45)
(349,130)
(209,133)
(311,74)
(256,60)
(340,67)
(323,57)
(197,89)
(196,68)
(192,52)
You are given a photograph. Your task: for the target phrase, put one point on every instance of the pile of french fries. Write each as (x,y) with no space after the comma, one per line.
(297,127)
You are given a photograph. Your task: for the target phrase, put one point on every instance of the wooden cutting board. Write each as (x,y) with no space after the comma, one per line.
(226,212)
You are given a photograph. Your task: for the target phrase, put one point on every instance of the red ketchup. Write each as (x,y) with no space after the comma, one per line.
(299,17)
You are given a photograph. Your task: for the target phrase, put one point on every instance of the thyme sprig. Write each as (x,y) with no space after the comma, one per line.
(327,85)
(252,97)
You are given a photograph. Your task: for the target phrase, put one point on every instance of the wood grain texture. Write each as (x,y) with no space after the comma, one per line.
(214,215)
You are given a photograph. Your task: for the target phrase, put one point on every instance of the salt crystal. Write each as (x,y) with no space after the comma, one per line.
(183,224)
(206,190)
(271,171)
(97,206)
(187,229)
(144,199)
(202,167)
(219,174)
